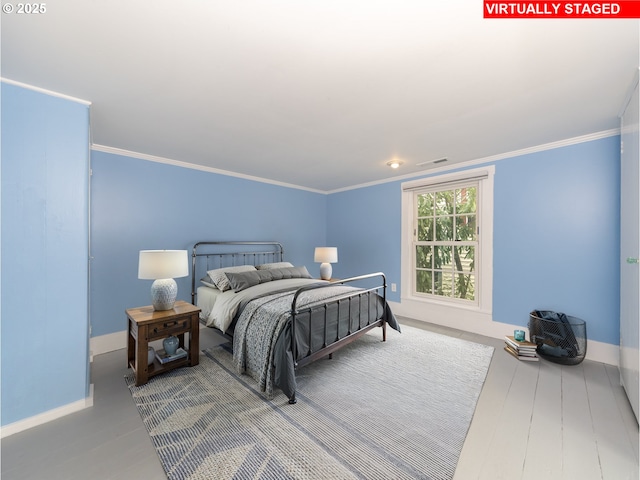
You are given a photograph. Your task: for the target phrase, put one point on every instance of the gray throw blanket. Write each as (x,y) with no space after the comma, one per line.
(262,322)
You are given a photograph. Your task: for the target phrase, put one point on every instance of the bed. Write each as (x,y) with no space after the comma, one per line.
(276,315)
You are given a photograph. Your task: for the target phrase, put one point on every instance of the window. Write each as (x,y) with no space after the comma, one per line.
(447,239)
(445,242)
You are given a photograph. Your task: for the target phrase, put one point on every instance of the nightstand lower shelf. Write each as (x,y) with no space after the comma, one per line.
(156,368)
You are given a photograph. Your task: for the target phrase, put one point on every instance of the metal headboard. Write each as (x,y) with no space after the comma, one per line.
(212,255)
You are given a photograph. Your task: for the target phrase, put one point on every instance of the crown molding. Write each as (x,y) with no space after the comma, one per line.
(193,166)
(494,158)
(434,171)
(455,166)
(51,93)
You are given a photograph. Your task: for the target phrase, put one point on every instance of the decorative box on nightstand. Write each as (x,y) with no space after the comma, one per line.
(147,324)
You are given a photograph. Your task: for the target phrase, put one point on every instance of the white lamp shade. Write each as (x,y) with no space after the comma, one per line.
(326,255)
(158,264)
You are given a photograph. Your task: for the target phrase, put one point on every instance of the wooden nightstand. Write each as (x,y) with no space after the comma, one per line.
(147,324)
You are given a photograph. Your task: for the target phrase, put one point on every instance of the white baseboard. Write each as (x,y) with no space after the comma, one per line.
(97,345)
(483,324)
(108,343)
(48,416)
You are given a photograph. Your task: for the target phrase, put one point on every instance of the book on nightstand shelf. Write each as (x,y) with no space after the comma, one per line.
(521,350)
(163,357)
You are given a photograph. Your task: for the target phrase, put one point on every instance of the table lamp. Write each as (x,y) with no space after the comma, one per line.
(163,266)
(325,256)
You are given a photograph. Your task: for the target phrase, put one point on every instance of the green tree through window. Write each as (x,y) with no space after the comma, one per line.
(445,242)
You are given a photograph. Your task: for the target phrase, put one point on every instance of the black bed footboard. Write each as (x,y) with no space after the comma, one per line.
(319,330)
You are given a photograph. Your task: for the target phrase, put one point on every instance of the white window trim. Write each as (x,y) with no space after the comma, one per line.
(484,288)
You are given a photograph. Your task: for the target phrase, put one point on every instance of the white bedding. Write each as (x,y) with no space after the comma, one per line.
(207,297)
(221,307)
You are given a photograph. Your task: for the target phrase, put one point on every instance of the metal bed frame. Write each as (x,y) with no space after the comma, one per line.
(268,252)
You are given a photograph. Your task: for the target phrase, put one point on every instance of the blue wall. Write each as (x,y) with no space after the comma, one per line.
(556,235)
(365,226)
(138,205)
(557,213)
(45,165)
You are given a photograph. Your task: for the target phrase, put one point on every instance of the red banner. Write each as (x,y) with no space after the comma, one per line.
(517,9)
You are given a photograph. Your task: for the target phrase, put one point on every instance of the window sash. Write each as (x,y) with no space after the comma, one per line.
(443,281)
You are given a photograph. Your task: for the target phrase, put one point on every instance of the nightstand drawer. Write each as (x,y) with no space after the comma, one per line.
(164,329)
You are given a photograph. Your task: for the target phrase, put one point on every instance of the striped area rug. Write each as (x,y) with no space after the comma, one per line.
(394,410)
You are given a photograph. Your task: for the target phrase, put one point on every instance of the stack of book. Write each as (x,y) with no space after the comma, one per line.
(163,357)
(521,350)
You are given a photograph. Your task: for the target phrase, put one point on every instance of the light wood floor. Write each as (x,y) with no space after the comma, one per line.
(534,420)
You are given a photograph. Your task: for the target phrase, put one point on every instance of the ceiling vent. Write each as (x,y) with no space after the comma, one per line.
(440,160)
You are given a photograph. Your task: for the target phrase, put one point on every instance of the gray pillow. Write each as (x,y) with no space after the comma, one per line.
(243,280)
(270,266)
(219,278)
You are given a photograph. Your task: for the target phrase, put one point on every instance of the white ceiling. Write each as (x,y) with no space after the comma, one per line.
(321,94)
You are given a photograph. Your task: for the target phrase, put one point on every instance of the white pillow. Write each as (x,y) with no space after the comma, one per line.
(220,279)
(270,266)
